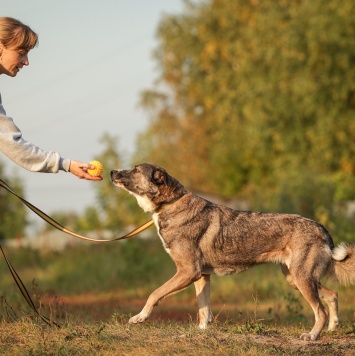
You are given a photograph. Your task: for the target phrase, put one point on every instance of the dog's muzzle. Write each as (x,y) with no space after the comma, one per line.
(115,175)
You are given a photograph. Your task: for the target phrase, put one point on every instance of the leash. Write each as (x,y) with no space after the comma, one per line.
(58,226)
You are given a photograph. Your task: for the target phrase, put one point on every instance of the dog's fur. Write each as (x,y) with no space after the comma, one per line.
(204,238)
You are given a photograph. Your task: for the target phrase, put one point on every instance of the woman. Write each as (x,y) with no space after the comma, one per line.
(16,40)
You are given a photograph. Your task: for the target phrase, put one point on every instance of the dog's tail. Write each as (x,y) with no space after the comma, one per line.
(343,264)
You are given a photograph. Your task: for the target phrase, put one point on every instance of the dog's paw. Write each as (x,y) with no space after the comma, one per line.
(333,325)
(308,337)
(210,317)
(139,318)
(204,319)
(203,326)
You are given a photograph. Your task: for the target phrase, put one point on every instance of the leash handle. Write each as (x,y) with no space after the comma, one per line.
(60,227)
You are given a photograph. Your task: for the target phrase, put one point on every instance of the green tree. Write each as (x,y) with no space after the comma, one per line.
(13,213)
(251,94)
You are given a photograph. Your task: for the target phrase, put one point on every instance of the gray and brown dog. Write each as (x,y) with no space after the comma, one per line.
(204,238)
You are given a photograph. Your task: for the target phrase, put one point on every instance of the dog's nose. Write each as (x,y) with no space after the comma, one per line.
(113,172)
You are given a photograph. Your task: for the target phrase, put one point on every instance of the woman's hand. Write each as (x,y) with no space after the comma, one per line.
(79,169)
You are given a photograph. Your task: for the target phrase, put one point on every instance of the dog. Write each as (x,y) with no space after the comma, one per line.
(204,238)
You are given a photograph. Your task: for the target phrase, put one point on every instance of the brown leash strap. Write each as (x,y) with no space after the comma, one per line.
(58,226)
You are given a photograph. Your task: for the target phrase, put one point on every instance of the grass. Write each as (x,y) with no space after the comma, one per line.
(92,290)
(27,337)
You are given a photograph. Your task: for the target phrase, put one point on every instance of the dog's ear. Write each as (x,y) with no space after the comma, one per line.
(159,177)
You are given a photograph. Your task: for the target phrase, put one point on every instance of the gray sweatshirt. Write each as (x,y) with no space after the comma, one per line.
(24,153)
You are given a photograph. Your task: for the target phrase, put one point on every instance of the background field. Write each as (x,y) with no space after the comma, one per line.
(92,289)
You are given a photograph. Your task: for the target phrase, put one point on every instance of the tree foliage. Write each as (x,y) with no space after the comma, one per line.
(256,98)
(12,212)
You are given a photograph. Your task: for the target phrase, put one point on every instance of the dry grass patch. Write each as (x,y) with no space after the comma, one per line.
(27,337)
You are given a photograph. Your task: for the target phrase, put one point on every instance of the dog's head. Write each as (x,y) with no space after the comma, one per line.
(150,184)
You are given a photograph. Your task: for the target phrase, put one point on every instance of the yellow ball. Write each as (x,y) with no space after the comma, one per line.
(97,171)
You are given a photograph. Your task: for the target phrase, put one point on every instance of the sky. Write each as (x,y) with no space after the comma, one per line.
(84,79)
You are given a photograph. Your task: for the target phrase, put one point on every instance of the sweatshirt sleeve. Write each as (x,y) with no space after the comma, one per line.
(24,153)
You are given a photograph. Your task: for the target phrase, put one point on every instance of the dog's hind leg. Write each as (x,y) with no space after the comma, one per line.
(327,295)
(202,287)
(331,299)
(308,286)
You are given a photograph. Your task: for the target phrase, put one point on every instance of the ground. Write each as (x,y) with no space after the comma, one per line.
(273,338)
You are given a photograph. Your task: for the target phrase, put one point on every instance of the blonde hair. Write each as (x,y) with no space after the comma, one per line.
(15,34)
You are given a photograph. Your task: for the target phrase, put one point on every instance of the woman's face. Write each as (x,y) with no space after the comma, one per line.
(12,60)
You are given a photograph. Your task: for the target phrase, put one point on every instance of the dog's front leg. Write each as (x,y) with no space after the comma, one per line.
(202,287)
(180,281)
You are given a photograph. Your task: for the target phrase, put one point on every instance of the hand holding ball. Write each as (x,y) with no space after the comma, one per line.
(97,171)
